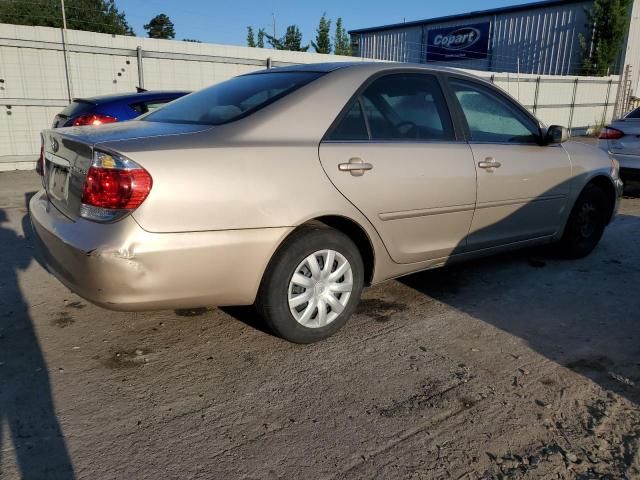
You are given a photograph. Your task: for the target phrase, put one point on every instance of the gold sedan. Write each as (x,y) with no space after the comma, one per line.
(293,188)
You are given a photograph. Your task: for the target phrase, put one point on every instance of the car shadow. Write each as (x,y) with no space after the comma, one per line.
(561,308)
(26,404)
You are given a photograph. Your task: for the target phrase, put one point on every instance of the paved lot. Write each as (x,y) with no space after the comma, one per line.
(522,365)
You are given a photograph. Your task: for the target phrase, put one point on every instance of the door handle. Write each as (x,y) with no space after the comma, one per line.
(489,163)
(356,166)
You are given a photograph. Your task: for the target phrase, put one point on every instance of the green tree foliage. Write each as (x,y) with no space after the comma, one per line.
(251,39)
(323,40)
(261,34)
(90,15)
(292,40)
(341,40)
(608,21)
(160,26)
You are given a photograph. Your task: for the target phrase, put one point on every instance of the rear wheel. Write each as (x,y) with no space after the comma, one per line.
(312,285)
(586,223)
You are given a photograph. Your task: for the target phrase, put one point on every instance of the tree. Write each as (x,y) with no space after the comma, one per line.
(323,41)
(292,40)
(261,34)
(160,26)
(100,16)
(251,39)
(607,22)
(341,40)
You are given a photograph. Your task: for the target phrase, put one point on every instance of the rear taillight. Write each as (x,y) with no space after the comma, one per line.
(40,161)
(93,119)
(114,187)
(609,133)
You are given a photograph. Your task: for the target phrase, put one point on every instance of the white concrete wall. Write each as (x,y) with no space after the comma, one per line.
(594,97)
(33,79)
(33,82)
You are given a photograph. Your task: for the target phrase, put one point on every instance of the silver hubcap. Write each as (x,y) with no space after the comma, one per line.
(320,288)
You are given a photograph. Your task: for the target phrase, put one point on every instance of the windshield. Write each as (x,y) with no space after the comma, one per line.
(233,99)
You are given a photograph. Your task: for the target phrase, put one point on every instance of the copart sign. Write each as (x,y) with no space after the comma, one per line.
(463,42)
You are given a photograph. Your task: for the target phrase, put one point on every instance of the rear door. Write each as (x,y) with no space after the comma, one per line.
(395,155)
(523,187)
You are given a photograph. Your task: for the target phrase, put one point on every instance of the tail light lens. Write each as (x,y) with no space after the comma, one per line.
(93,119)
(40,161)
(114,187)
(609,133)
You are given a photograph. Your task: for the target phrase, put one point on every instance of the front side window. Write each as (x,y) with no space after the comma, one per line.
(399,107)
(233,99)
(491,117)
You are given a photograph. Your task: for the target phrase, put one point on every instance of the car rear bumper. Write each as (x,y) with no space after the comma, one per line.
(630,174)
(629,164)
(120,266)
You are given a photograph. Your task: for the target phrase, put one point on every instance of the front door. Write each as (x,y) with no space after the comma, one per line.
(523,187)
(395,156)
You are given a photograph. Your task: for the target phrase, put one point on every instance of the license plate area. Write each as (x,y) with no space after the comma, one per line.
(57,181)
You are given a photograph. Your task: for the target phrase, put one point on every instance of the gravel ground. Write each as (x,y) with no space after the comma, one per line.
(517,366)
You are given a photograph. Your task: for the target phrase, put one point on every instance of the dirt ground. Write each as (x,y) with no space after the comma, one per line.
(517,366)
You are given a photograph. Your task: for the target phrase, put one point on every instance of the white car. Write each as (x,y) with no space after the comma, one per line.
(622,140)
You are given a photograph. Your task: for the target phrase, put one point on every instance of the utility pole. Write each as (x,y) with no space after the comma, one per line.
(273,15)
(64,16)
(64,50)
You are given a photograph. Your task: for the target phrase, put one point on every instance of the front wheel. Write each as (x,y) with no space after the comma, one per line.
(586,223)
(312,285)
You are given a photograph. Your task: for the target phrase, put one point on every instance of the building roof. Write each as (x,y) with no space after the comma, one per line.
(468,15)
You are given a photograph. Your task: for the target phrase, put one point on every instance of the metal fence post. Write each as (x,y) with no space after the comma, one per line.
(606,103)
(573,102)
(140,67)
(535,97)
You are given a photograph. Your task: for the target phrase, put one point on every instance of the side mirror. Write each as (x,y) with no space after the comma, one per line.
(556,134)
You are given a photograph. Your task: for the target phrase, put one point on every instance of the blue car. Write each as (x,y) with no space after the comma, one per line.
(113,108)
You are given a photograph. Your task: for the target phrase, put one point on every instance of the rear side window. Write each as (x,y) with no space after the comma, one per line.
(634,114)
(352,126)
(233,99)
(491,117)
(77,107)
(399,107)
(144,107)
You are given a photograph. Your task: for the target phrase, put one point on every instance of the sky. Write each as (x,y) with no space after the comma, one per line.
(225,22)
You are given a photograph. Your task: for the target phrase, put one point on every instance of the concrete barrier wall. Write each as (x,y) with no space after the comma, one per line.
(40,71)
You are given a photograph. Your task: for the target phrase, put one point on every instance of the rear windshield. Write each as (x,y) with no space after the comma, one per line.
(77,107)
(233,99)
(634,114)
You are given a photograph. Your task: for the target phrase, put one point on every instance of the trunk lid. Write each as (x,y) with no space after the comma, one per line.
(68,154)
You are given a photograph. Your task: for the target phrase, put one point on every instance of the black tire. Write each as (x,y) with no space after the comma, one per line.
(586,223)
(272,301)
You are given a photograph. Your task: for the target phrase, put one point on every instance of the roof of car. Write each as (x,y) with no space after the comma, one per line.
(332,66)
(147,95)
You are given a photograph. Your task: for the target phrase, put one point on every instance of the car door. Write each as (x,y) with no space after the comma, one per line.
(523,186)
(395,155)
